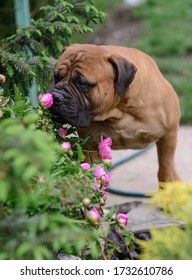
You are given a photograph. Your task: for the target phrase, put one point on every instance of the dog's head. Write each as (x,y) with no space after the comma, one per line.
(88,82)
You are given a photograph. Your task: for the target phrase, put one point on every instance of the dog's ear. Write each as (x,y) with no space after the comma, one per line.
(124,72)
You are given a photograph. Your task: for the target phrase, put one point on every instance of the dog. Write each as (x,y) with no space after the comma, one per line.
(118,92)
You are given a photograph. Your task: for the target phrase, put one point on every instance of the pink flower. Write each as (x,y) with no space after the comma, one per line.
(106,178)
(122,220)
(99,172)
(62,132)
(42,180)
(46,100)
(105,195)
(2,78)
(96,187)
(4,104)
(85,166)
(66,146)
(105,148)
(93,216)
(96,208)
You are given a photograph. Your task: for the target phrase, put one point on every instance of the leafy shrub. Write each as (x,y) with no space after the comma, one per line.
(32,52)
(173,243)
(48,199)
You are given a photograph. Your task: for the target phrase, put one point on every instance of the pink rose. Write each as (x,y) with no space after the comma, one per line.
(106,178)
(122,220)
(105,148)
(2,78)
(46,100)
(93,216)
(85,166)
(66,146)
(96,208)
(62,132)
(99,172)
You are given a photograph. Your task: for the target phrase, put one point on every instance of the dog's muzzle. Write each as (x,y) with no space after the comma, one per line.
(70,108)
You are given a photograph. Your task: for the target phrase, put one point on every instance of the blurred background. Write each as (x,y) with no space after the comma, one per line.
(159,27)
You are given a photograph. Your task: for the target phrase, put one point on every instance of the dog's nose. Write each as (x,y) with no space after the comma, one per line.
(57,97)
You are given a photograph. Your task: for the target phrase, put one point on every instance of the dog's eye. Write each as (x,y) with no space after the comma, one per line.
(83,83)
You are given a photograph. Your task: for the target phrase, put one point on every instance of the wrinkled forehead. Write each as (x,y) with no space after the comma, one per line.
(81,59)
(70,58)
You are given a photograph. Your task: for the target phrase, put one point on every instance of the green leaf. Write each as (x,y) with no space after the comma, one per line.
(51,29)
(110,213)
(38,32)
(10,71)
(4,190)
(80,154)
(27,33)
(31,118)
(41,252)
(23,249)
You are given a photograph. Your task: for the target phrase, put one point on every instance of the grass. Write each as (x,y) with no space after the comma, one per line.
(166,35)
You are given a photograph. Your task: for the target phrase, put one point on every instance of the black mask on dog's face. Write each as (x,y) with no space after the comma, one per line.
(71,102)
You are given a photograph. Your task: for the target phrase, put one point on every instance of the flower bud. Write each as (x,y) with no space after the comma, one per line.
(122,220)
(107,162)
(86,201)
(40,112)
(62,132)
(66,146)
(105,148)
(85,166)
(99,172)
(46,100)
(2,78)
(102,202)
(93,216)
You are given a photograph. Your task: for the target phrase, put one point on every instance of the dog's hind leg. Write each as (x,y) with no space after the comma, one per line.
(166,147)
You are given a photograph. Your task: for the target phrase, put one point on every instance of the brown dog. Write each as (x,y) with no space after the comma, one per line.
(118,92)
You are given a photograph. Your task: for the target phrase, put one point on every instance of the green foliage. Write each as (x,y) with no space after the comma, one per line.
(33,50)
(166,27)
(38,217)
(43,187)
(166,36)
(42,191)
(173,243)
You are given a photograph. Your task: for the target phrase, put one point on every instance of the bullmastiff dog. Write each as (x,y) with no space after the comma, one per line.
(118,92)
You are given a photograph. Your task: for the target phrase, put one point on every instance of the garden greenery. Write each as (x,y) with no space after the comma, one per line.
(172,243)
(32,52)
(49,201)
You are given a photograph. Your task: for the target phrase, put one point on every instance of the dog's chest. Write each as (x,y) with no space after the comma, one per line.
(125,134)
